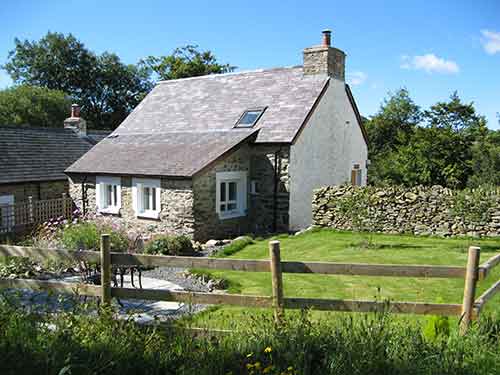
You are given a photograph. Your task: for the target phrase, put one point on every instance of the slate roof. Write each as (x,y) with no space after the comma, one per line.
(173,154)
(216,102)
(183,125)
(38,154)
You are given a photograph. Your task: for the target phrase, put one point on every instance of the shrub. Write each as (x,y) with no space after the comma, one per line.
(87,235)
(169,245)
(235,246)
(366,344)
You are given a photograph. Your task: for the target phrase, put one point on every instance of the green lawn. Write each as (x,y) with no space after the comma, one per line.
(332,246)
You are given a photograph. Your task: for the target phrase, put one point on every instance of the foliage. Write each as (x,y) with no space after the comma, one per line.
(235,246)
(17,267)
(106,88)
(169,245)
(87,235)
(473,205)
(34,106)
(448,144)
(185,62)
(78,343)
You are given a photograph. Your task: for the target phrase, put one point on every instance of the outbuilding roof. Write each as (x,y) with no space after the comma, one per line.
(38,154)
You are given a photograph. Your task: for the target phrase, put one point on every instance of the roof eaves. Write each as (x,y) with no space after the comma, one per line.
(356,111)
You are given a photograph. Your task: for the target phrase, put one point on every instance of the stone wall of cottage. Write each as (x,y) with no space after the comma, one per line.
(176,216)
(263,160)
(207,223)
(419,210)
(37,190)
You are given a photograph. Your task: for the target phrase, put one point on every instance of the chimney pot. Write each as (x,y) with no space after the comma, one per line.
(75,110)
(327,38)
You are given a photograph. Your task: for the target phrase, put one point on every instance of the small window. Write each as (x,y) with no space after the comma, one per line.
(146,197)
(108,191)
(356,175)
(231,194)
(249,118)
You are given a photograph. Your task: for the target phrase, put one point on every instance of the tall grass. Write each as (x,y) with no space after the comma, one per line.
(79,343)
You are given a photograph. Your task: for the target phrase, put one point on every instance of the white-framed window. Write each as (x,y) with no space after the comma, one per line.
(108,194)
(146,195)
(231,190)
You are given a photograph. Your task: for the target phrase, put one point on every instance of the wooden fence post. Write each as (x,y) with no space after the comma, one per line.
(471,277)
(105,269)
(277,280)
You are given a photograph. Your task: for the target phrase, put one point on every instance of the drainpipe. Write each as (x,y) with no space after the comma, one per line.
(277,170)
(84,196)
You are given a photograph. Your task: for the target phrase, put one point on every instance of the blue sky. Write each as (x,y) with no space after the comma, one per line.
(432,48)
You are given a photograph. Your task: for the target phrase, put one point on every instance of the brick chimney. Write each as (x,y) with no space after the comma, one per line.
(75,122)
(325,59)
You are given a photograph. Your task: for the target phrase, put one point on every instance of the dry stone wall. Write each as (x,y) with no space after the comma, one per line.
(419,210)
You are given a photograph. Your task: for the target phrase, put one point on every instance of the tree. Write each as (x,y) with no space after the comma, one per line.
(106,88)
(185,62)
(34,106)
(394,123)
(392,127)
(449,144)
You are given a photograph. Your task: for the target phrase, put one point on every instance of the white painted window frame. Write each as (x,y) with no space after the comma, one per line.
(240,178)
(101,185)
(5,223)
(138,185)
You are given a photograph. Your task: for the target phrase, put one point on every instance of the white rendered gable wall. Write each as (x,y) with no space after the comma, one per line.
(325,152)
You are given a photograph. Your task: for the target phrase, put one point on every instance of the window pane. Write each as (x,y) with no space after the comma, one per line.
(232,191)
(249,118)
(222,191)
(115,195)
(153,199)
(145,199)
(231,206)
(109,195)
(222,207)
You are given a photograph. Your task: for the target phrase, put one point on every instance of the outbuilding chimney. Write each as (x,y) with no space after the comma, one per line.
(75,122)
(325,59)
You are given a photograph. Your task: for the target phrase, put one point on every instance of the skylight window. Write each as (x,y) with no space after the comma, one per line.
(249,118)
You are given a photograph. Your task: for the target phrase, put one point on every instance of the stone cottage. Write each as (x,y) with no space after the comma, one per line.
(222,155)
(33,160)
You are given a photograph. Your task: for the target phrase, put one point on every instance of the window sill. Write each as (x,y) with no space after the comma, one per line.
(149,215)
(231,215)
(110,211)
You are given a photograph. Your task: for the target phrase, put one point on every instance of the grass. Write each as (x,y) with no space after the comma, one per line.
(334,246)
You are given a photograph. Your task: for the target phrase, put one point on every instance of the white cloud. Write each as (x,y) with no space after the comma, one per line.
(357,78)
(429,63)
(491,41)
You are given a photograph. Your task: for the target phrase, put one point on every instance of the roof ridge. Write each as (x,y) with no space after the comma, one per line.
(217,75)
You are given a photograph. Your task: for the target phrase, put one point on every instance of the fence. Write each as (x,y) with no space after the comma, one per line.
(468,310)
(20,216)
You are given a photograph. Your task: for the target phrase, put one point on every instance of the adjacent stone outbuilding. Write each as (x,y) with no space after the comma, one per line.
(223,155)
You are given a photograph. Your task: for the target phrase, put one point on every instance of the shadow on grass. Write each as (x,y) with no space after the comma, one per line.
(396,246)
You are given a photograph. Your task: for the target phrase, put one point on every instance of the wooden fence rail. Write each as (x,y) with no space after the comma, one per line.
(467,311)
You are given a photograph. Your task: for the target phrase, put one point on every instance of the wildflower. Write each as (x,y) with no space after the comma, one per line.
(268,350)
(257,365)
(249,355)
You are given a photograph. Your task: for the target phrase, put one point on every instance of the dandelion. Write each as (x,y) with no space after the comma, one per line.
(268,350)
